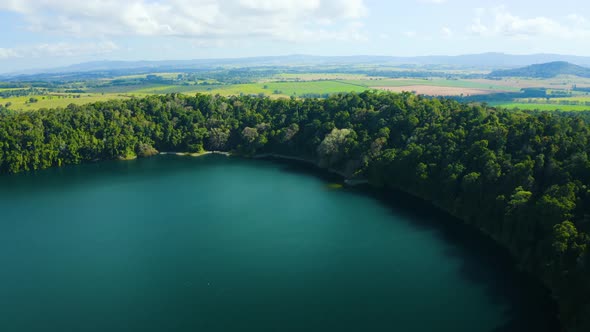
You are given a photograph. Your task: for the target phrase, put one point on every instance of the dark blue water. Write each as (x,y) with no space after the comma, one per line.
(223,244)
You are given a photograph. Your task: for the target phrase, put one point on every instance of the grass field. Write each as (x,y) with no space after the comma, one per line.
(319,76)
(125,88)
(317,84)
(300,84)
(286,89)
(11,89)
(563,82)
(54,101)
(446,83)
(164,89)
(574,103)
(470,86)
(440,91)
(271,89)
(574,99)
(162,75)
(543,107)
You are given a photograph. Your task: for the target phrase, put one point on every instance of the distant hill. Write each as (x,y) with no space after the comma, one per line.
(544,70)
(484,61)
(480,61)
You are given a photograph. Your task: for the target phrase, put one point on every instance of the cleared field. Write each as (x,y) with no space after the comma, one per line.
(576,98)
(437,90)
(516,83)
(272,89)
(583,100)
(317,84)
(375,82)
(54,101)
(319,76)
(543,107)
(486,85)
(125,88)
(564,100)
(468,84)
(289,88)
(11,89)
(162,75)
(164,89)
(320,85)
(561,83)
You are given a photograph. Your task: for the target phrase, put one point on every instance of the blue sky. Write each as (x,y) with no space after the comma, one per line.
(50,33)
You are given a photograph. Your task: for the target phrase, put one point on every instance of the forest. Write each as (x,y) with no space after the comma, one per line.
(520,177)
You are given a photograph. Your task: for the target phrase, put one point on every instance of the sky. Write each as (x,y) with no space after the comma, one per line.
(52,33)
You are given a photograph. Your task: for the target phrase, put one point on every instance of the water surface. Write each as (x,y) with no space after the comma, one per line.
(222,244)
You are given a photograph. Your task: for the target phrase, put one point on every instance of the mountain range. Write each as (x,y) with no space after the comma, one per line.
(484,61)
(544,70)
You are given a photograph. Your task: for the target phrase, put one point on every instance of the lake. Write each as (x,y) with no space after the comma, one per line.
(224,244)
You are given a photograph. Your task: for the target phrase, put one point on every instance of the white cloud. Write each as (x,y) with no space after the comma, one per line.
(58,50)
(502,23)
(577,19)
(478,27)
(433,1)
(447,32)
(198,19)
(6,53)
(410,34)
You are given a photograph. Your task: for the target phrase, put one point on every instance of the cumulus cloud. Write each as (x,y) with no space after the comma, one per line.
(197,19)
(6,53)
(447,32)
(433,1)
(410,33)
(62,49)
(499,22)
(577,19)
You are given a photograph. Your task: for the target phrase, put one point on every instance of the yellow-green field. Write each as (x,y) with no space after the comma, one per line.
(164,89)
(573,99)
(574,103)
(287,89)
(11,89)
(560,82)
(54,101)
(162,75)
(271,89)
(319,76)
(544,107)
(300,85)
(466,84)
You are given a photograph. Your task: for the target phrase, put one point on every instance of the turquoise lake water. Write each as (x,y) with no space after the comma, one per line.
(224,244)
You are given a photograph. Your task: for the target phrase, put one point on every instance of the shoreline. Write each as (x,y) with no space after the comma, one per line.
(349,181)
(196,154)
(299,159)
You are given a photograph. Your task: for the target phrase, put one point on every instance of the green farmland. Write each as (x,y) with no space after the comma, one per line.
(543,107)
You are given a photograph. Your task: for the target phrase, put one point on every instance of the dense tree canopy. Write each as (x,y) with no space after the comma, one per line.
(521,177)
